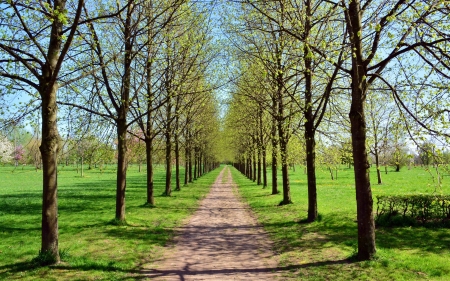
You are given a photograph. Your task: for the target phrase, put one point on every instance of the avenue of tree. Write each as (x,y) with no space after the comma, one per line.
(311,81)
(135,69)
(367,75)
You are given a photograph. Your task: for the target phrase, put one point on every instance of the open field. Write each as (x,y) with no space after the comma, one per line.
(92,247)
(324,250)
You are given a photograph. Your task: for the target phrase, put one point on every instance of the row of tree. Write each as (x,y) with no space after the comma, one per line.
(370,71)
(121,73)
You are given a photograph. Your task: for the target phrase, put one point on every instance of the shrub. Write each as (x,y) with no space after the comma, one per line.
(412,210)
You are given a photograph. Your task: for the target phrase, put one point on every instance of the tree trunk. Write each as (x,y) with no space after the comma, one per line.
(283,140)
(254,165)
(190,165)
(82,170)
(285,172)
(311,171)
(177,161)
(377,164)
(264,164)
(149,156)
(186,164)
(249,166)
(168,136)
(364,201)
(259,142)
(121,169)
(274,159)
(195,163)
(148,137)
(200,166)
(49,151)
(204,165)
(168,189)
(121,121)
(259,182)
(309,123)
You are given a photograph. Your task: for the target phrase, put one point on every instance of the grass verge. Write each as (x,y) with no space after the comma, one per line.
(91,246)
(323,250)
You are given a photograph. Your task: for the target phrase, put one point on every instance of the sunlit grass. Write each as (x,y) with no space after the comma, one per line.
(323,250)
(93,248)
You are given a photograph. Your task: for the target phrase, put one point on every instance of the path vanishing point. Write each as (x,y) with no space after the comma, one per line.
(221,241)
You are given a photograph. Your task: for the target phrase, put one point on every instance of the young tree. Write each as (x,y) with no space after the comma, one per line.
(380,119)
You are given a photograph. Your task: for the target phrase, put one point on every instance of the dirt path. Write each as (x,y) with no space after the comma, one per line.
(221,241)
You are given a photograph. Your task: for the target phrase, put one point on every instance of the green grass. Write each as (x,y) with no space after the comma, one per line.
(323,250)
(92,247)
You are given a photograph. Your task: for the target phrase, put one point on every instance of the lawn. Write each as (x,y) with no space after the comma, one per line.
(325,250)
(92,248)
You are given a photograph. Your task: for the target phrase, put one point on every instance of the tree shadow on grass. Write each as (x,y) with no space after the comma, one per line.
(433,240)
(334,230)
(17,267)
(20,203)
(152,236)
(85,265)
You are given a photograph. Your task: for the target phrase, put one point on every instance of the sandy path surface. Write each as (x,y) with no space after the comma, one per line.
(221,241)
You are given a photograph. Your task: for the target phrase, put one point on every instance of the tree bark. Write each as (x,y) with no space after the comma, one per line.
(82,170)
(168,189)
(254,153)
(48,88)
(121,120)
(121,169)
(259,180)
(190,165)
(311,175)
(148,136)
(149,156)
(49,150)
(285,170)
(249,165)
(259,143)
(364,201)
(195,163)
(377,163)
(283,140)
(264,164)
(186,164)
(274,158)
(177,157)
(309,123)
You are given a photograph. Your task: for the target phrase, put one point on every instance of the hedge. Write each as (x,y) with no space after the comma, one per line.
(412,210)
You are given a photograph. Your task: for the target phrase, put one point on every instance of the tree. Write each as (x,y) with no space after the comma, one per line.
(37,39)
(277,54)
(110,87)
(380,119)
(6,150)
(18,154)
(373,48)
(311,27)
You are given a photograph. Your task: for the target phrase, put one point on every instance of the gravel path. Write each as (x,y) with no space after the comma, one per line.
(221,241)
